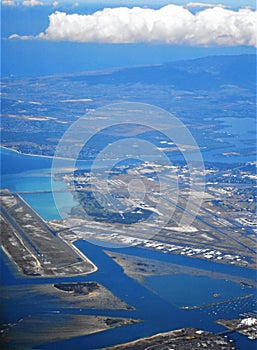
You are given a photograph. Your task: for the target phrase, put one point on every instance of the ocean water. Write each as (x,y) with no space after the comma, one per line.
(35,189)
(172,288)
(157,304)
(24,175)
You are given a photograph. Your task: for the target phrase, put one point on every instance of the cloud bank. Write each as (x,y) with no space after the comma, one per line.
(32,3)
(171,24)
(203,4)
(8,2)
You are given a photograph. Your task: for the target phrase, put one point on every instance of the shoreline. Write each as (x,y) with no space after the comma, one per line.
(27,244)
(40,155)
(80,253)
(195,307)
(52,157)
(176,338)
(140,268)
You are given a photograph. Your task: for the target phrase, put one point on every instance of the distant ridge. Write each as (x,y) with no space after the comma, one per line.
(207,73)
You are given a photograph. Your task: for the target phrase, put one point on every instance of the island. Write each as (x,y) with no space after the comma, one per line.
(82,295)
(56,327)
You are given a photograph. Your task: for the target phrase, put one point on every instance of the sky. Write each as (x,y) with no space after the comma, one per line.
(52,37)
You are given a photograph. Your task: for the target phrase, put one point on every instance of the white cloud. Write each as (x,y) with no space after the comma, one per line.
(23,37)
(55,3)
(202,4)
(8,2)
(32,3)
(171,24)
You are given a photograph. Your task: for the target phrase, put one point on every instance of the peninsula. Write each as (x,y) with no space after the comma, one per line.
(33,246)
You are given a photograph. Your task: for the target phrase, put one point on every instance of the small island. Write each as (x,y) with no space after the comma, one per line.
(83,295)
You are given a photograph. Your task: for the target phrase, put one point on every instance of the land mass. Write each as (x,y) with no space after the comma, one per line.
(180,339)
(36,112)
(33,246)
(89,295)
(223,229)
(246,325)
(53,327)
(139,268)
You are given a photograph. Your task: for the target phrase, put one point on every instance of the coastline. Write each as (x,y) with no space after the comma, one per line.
(140,268)
(35,155)
(80,253)
(27,245)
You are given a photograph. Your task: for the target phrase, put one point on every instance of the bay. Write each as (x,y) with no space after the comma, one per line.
(157,304)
